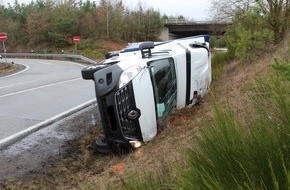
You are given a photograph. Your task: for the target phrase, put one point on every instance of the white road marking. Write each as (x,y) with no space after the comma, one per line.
(40,87)
(43,62)
(17,136)
(17,84)
(27,67)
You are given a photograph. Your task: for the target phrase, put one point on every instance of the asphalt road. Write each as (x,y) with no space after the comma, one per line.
(45,89)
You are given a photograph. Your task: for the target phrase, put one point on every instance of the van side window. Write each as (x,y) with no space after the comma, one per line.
(164,83)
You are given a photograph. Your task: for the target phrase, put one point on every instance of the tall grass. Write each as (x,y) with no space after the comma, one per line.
(218,61)
(230,156)
(256,155)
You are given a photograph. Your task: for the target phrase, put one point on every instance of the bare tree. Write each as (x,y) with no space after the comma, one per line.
(226,10)
(277,13)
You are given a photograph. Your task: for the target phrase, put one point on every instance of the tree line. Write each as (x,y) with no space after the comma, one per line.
(256,24)
(55,23)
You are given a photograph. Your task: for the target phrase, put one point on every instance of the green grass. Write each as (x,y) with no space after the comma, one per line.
(255,155)
(218,61)
(230,156)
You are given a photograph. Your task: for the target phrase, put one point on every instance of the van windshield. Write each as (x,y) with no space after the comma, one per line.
(164,86)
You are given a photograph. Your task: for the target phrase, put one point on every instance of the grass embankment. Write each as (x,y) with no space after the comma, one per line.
(254,155)
(236,138)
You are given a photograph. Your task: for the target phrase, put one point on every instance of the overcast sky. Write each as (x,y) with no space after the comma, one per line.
(191,9)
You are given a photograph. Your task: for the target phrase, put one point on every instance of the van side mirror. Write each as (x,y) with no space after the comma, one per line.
(88,72)
(145,48)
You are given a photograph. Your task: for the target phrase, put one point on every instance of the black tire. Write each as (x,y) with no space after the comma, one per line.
(102,146)
(88,72)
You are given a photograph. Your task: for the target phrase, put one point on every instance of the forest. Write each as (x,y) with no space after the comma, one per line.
(54,23)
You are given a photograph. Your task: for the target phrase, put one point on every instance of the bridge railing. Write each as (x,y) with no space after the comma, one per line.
(67,57)
(184,21)
(175,21)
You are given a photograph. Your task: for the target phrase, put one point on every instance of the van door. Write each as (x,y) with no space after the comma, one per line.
(200,73)
(163,78)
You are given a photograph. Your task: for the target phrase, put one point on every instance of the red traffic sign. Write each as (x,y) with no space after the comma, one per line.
(3,36)
(76,39)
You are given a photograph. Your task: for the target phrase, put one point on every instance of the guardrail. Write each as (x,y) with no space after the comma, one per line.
(184,21)
(67,57)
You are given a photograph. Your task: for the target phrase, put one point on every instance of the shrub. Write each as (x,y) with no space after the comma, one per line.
(283,68)
(248,35)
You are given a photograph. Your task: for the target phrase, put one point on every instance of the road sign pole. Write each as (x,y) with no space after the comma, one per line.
(4,49)
(3,38)
(76,48)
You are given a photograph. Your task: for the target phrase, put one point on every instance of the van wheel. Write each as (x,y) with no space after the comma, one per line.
(102,146)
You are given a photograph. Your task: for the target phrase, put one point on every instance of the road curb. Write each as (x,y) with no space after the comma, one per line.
(22,134)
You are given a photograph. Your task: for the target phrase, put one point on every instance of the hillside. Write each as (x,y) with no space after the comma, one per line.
(84,169)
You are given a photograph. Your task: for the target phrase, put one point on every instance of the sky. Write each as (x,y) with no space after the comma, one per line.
(197,10)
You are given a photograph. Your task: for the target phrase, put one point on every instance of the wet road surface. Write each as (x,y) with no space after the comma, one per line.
(44,89)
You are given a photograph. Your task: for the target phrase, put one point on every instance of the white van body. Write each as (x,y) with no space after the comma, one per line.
(138,87)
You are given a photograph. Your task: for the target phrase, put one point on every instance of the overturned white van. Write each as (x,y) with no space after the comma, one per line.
(139,86)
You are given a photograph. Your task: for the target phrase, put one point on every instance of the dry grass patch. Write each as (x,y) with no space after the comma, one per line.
(7,68)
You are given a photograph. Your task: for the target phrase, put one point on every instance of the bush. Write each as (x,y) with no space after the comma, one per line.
(283,68)
(218,41)
(57,39)
(248,35)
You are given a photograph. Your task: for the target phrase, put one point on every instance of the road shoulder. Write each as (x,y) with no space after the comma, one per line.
(31,156)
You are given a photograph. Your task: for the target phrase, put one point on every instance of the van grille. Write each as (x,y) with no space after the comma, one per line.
(125,103)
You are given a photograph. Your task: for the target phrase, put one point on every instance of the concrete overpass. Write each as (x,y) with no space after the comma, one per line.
(175,28)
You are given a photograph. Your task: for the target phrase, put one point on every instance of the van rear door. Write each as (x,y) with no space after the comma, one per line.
(193,73)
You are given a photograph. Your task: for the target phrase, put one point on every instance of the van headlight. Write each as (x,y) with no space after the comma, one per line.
(128,75)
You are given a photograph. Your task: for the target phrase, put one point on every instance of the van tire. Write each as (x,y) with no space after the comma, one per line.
(102,146)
